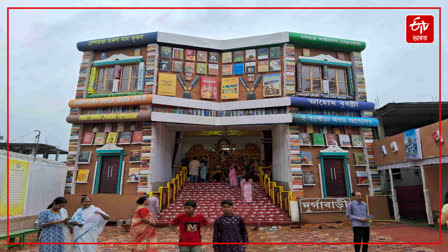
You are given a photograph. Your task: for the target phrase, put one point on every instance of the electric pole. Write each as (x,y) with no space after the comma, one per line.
(37,144)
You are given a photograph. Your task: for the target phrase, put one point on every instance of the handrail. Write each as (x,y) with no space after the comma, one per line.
(276,193)
(172,188)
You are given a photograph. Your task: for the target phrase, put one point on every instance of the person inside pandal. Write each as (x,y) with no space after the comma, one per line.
(250,168)
(239,173)
(245,164)
(242,182)
(248,190)
(233,181)
(194,170)
(267,168)
(88,223)
(154,205)
(203,170)
(143,227)
(218,173)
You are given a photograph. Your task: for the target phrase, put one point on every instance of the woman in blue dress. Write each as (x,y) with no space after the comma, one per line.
(51,223)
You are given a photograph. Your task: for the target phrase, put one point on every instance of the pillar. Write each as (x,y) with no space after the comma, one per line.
(427,199)
(394,197)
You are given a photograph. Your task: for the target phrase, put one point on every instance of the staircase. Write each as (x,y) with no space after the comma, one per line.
(208,197)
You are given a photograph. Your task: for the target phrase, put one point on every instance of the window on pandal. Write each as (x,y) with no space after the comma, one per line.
(337,81)
(311,79)
(128,79)
(105,80)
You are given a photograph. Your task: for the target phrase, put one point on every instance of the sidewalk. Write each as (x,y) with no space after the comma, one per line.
(380,232)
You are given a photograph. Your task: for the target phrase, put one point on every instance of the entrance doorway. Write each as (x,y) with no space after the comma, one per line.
(223,154)
(109,173)
(335,177)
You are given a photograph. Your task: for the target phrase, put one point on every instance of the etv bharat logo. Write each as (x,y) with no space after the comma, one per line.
(419,29)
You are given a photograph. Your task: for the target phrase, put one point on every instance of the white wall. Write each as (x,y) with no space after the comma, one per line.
(46,181)
(162,153)
(280,159)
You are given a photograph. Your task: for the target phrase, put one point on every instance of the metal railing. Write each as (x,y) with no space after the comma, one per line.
(278,195)
(172,189)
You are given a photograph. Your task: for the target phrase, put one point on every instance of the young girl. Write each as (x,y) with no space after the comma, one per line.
(242,182)
(233,181)
(247,191)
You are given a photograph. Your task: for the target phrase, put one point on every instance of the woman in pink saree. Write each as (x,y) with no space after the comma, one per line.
(143,228)
(233,181)
(247,191)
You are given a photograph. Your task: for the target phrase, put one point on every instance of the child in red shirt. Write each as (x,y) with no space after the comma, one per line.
(189,228)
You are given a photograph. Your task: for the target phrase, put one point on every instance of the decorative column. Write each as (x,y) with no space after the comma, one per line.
(145,172)
(289,65)
(76,130)
(296,182)
(152,58)
(356,74)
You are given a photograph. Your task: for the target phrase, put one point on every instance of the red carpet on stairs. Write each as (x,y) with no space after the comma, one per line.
(208,197)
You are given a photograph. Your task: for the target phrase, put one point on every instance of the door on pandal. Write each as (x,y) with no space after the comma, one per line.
(223,154)
(109,172)
(335,177)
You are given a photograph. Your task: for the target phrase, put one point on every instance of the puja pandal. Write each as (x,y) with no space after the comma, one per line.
(147,103)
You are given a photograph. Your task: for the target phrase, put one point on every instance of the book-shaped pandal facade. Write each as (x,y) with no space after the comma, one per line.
(146,104)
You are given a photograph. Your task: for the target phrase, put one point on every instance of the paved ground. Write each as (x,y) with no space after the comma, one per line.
(380,232)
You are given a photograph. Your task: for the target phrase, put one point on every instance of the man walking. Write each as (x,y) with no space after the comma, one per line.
(154,206)
(194,169)
(357,211)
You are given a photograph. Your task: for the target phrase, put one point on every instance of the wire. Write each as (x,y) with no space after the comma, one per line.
(22,136)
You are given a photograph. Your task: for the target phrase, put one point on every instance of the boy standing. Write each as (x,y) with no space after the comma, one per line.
(189,228)
(229,228)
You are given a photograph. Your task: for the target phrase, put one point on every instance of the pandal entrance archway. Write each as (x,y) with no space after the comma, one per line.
(223,154)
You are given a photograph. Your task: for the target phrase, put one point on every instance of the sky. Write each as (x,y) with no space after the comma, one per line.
(44,61)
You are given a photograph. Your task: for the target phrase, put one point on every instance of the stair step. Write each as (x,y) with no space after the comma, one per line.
(208,197)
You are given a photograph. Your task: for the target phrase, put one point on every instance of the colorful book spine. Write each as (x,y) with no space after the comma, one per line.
(144,184)
(152,59)
(289,64)
(84,73)
(358,74)
(296,181)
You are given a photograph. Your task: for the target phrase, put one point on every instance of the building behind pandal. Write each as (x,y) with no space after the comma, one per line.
(409,160)
(146,102)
